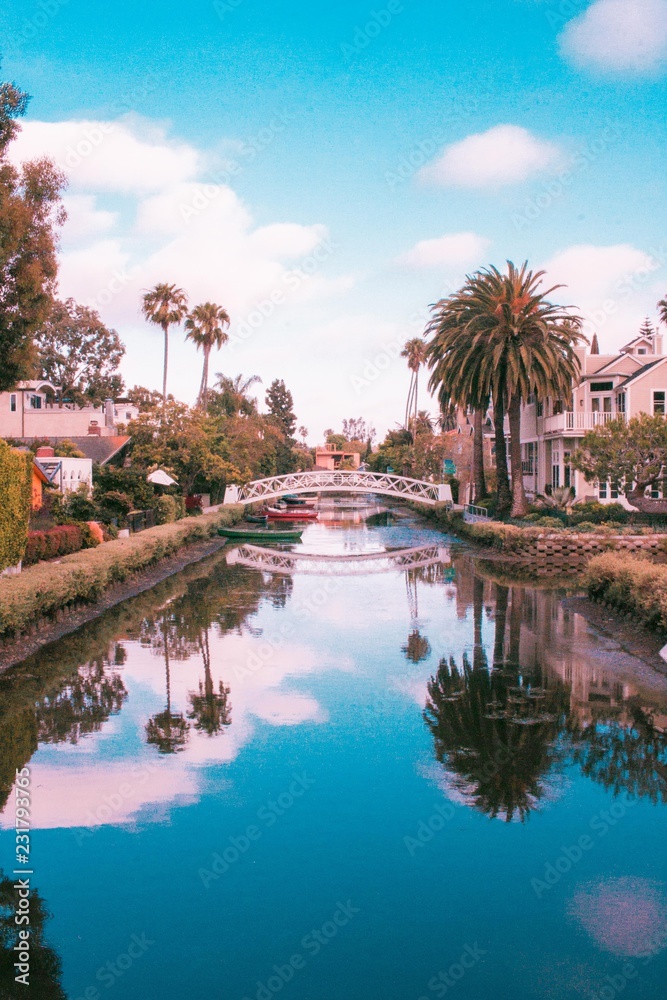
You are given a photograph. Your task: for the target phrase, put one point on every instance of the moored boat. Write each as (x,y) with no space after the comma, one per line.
(262,534)
(257,518)
(291,514)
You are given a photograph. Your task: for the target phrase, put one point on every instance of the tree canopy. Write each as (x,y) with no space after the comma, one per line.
(30,215)
(78,353)
(632,455)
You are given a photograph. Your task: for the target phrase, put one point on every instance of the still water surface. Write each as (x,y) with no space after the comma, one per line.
(396,777)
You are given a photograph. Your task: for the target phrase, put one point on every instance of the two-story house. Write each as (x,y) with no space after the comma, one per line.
(621,385)
(32,411)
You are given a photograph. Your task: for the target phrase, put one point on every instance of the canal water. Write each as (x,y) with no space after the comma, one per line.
(363,767)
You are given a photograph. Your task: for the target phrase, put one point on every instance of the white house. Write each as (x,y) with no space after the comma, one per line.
(66,474)
(621,385)
(31,411)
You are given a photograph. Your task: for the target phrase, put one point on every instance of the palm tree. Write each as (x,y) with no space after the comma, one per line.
(662,309)
(165,305)
(499,338)
(303,433)
(415,352)
(210,709)
(206,327)
(234,394)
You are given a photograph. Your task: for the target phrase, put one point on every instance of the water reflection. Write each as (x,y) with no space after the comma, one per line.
(503,733)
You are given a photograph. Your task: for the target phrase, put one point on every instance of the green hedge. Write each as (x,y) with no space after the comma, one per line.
(15,503)
(45,589)
(630,584)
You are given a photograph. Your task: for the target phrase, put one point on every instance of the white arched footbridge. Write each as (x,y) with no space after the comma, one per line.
(340,482)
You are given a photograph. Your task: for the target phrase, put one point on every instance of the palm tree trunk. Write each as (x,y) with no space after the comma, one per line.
(519,502)
(478,656)
(416,396)
(203,389)
(478,456)
(408,405)
(165,327)
(502,600)
(516,614)
(504,496)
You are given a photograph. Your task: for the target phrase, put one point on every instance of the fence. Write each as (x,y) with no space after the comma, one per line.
(139,520)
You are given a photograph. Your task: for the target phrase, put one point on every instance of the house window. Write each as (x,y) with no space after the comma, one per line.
(659,402)
(609,490)
(602,491)
(12,402)
(555,468)
(558,407)
(620,402)
(36,402)
(540,409)
(567,469)
(641,350)
(602,386)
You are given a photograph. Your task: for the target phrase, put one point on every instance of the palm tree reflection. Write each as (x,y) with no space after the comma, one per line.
(210,709)
(168,731)
(496,736)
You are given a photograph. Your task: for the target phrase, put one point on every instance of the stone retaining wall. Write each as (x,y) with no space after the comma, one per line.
(581,548)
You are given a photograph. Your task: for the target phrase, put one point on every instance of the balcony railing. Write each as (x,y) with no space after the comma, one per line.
(579,421)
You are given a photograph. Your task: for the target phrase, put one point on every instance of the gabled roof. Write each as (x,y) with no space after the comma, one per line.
(41,474)
(642,371)
(100,449)
(641,337)
(608,368)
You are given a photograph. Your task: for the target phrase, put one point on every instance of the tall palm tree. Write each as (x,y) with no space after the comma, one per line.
(206,327)
(165,305)
(415,352)
(500,338)
(234,397)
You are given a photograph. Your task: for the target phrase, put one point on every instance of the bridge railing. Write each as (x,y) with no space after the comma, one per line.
(471,513)
(346,481)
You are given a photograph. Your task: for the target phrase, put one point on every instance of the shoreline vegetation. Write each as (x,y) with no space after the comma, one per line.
(91,577)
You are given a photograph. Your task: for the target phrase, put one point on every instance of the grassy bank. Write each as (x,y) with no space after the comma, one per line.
(632,585)
(49,587)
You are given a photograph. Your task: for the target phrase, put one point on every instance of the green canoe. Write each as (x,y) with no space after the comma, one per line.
(262,534)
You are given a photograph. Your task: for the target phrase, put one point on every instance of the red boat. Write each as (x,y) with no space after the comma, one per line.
(291,514)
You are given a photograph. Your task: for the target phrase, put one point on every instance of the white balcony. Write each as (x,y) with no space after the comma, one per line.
(578,422)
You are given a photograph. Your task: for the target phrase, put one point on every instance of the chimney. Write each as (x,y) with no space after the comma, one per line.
(45,452)
(109,416)
(657,342)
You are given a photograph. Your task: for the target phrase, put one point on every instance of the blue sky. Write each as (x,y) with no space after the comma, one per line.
(339,167)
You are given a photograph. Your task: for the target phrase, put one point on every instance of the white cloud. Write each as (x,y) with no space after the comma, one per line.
(452,250)
(128,156)
(618,36)
(505,154)
(614,288)
(84,219)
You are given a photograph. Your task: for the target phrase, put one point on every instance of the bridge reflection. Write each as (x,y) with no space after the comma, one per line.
(276,561)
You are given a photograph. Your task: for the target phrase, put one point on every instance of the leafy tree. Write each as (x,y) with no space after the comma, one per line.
(662,309)
(647,329)
(165,305)
(633,455)
(30,214)
(148,400)
(281,407)
(206,327)
(79,354)
(499,339)
(280,403)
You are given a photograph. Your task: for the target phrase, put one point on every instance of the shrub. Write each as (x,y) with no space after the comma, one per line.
(532,517)
(193,504)
(586,526)
(59,541)
(630,583)
(455,484)
(599,513)
(166,509)
(549,522)
(44,589)
(75,505)
(15,503)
